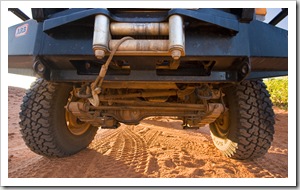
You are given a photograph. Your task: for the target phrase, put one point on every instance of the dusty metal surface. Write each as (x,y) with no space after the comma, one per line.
(101,35)
(176,36)
(141,45)
(149,29)
(104,31)
(128,105)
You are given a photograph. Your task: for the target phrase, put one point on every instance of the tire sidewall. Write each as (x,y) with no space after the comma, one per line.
(67,141)
(229,144)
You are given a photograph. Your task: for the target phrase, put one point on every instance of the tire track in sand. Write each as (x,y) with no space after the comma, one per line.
(140,155)
(126,157)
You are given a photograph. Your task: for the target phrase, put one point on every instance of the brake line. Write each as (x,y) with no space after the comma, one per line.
(96,85)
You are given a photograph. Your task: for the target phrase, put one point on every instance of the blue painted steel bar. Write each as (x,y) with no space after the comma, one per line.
(211,16)
(141,76)
(255,39)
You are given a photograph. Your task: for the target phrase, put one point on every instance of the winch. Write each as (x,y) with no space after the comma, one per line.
(104,41)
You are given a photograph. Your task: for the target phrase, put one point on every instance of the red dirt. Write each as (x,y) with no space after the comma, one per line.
(156,148)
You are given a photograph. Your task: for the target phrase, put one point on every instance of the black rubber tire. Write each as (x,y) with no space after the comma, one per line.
(43,122)
(251,121)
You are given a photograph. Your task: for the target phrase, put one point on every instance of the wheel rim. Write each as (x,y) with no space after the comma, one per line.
(75,126)
(221,125)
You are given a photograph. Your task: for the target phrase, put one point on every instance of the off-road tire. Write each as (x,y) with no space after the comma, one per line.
(251,121)
(43,122)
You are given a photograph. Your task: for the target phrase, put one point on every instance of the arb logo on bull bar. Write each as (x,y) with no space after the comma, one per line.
(21,30)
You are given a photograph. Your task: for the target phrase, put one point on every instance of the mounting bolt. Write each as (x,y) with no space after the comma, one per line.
(245,69)
(39,67)
(176,54)
(100,54)
(87,66)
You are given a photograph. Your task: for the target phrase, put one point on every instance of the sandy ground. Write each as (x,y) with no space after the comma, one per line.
(157,148)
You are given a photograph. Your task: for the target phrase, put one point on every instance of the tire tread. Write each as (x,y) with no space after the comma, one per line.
(36,120)
(256,119)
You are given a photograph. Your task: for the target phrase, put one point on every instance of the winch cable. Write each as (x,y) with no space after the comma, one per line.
(99,80)
(96,85)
